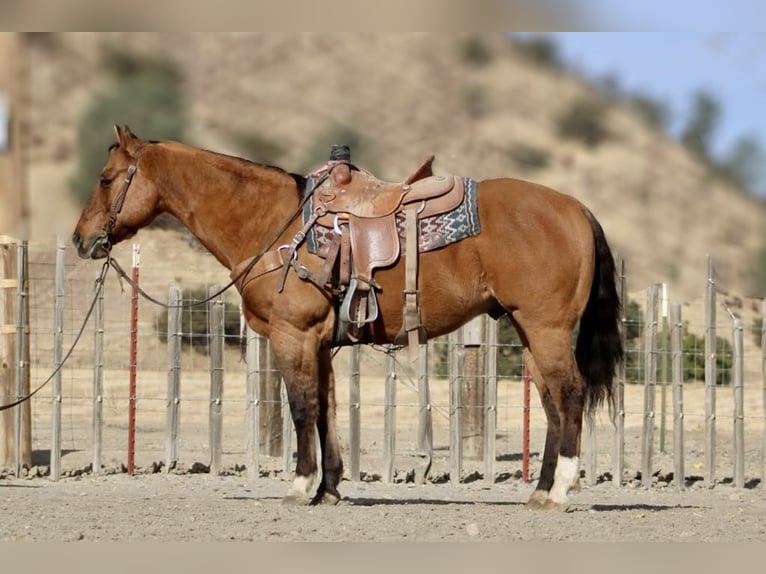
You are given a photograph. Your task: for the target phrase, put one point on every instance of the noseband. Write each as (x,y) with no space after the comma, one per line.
(119,201)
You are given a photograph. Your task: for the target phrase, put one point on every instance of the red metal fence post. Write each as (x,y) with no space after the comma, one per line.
(133,364)
(525,435)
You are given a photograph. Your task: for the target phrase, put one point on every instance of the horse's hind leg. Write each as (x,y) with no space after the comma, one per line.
(332,463)
(562,393)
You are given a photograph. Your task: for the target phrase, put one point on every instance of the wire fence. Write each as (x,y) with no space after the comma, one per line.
(381,401)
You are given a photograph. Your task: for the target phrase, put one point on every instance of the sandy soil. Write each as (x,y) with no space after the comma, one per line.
(200,507)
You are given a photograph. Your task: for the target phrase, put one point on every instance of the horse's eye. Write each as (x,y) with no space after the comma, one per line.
(105,182)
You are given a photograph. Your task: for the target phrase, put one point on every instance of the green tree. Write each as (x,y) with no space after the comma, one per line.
(584,120)
(145,94)
(743,163)
(760,271)
(701,125)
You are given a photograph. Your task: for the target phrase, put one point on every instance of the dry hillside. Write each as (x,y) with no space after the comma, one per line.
(410,95)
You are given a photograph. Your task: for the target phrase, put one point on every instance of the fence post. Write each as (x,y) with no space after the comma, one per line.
(133,363)
(98,380)
(456,363)
(473,388)
(389,418)
(618,388)
(677,370)
(174,377)
(270,391)
(287,430)
(710,375)
(58,340)
(23,411)
(253,358)
(354,414)
(739,406)
(216,330)
(527,383)
(490,428)
(647,450)
(425,417)
(763,376)
(664,337)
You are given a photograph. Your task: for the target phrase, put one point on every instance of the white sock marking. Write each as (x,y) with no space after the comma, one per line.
(567,473)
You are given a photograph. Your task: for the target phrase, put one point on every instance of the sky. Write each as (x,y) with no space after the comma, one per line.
(672,66)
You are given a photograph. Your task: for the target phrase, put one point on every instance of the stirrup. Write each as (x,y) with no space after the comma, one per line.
(372,305)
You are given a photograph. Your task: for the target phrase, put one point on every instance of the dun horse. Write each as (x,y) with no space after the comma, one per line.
(540,257)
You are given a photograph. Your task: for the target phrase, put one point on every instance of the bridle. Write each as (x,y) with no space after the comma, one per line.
(118,202)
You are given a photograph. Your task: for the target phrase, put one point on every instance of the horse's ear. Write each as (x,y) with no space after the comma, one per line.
(126,138)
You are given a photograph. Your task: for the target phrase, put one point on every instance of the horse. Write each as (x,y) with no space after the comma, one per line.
(541,258)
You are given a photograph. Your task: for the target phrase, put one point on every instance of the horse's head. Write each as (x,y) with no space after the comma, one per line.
(123,199)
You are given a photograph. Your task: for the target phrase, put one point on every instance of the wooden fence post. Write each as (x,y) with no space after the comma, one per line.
(739,405)
(173,403)
(15,423)
(271,428)
(763,377)
(650,373)
(389,418)
(253,358)
(216,330)
(354,413)
(677,371)
(473,388)
(710,375)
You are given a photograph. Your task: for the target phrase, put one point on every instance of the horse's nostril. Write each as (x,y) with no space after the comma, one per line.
(76,239)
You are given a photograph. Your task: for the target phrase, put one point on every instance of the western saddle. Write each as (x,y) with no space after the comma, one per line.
(359,213)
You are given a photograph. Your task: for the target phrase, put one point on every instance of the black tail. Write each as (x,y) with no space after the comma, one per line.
(599,346)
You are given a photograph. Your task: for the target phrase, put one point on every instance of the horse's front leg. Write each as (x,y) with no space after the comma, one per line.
(332,463)
(297,359)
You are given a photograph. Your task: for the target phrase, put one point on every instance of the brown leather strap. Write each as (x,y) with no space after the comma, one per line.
(411,308)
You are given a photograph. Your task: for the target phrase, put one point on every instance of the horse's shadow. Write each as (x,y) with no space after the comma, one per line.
(368,501)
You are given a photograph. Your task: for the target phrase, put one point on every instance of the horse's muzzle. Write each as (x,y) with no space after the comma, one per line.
(94,247)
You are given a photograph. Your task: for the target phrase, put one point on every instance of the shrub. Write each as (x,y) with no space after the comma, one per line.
(757,331)
(584,120)
(144,94)
(528,157)
(474,52)
(540,50)
(194,320)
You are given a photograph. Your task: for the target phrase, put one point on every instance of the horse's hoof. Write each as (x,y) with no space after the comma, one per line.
(326,499)
(552,506)
(537,500)
(295,500)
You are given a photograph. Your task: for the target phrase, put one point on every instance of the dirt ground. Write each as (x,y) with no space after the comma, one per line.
(199,507)
(188,506)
